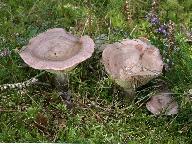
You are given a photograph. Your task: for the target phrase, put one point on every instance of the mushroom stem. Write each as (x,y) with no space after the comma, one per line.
(62,82)
(130,92)
(128,96)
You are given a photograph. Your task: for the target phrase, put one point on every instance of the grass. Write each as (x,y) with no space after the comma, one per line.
(37,114)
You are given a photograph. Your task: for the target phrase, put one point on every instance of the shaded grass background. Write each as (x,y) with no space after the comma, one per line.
(37,114)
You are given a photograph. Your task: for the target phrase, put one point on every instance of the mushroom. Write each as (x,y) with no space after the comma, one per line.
(162,103)
(132,63)
(57,51)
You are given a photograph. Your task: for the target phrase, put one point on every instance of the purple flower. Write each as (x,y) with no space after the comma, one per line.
(154,20)
(162,30)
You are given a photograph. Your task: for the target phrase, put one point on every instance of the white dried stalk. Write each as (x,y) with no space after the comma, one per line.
(19,85)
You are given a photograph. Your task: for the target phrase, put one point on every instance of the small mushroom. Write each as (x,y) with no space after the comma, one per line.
(132,63)
(162,103)
(57,51)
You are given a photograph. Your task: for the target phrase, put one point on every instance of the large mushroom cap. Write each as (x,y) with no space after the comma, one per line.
(132,62)
(162,103)
(56,50)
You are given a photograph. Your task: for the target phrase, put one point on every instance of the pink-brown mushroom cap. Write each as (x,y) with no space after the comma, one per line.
(132,60)
(162,103)
(57,50)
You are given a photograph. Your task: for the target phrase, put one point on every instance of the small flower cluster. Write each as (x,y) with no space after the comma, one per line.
(165,30)
(155,22)
(5,52)
(170,36)
(127,11)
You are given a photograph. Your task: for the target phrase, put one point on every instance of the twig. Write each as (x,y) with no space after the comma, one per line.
(5,110)
(83,31)
(33,7)
(20,85)
(43,84)
(133,30)
(109,29)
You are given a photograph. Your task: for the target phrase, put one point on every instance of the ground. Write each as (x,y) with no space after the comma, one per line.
(38,114)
